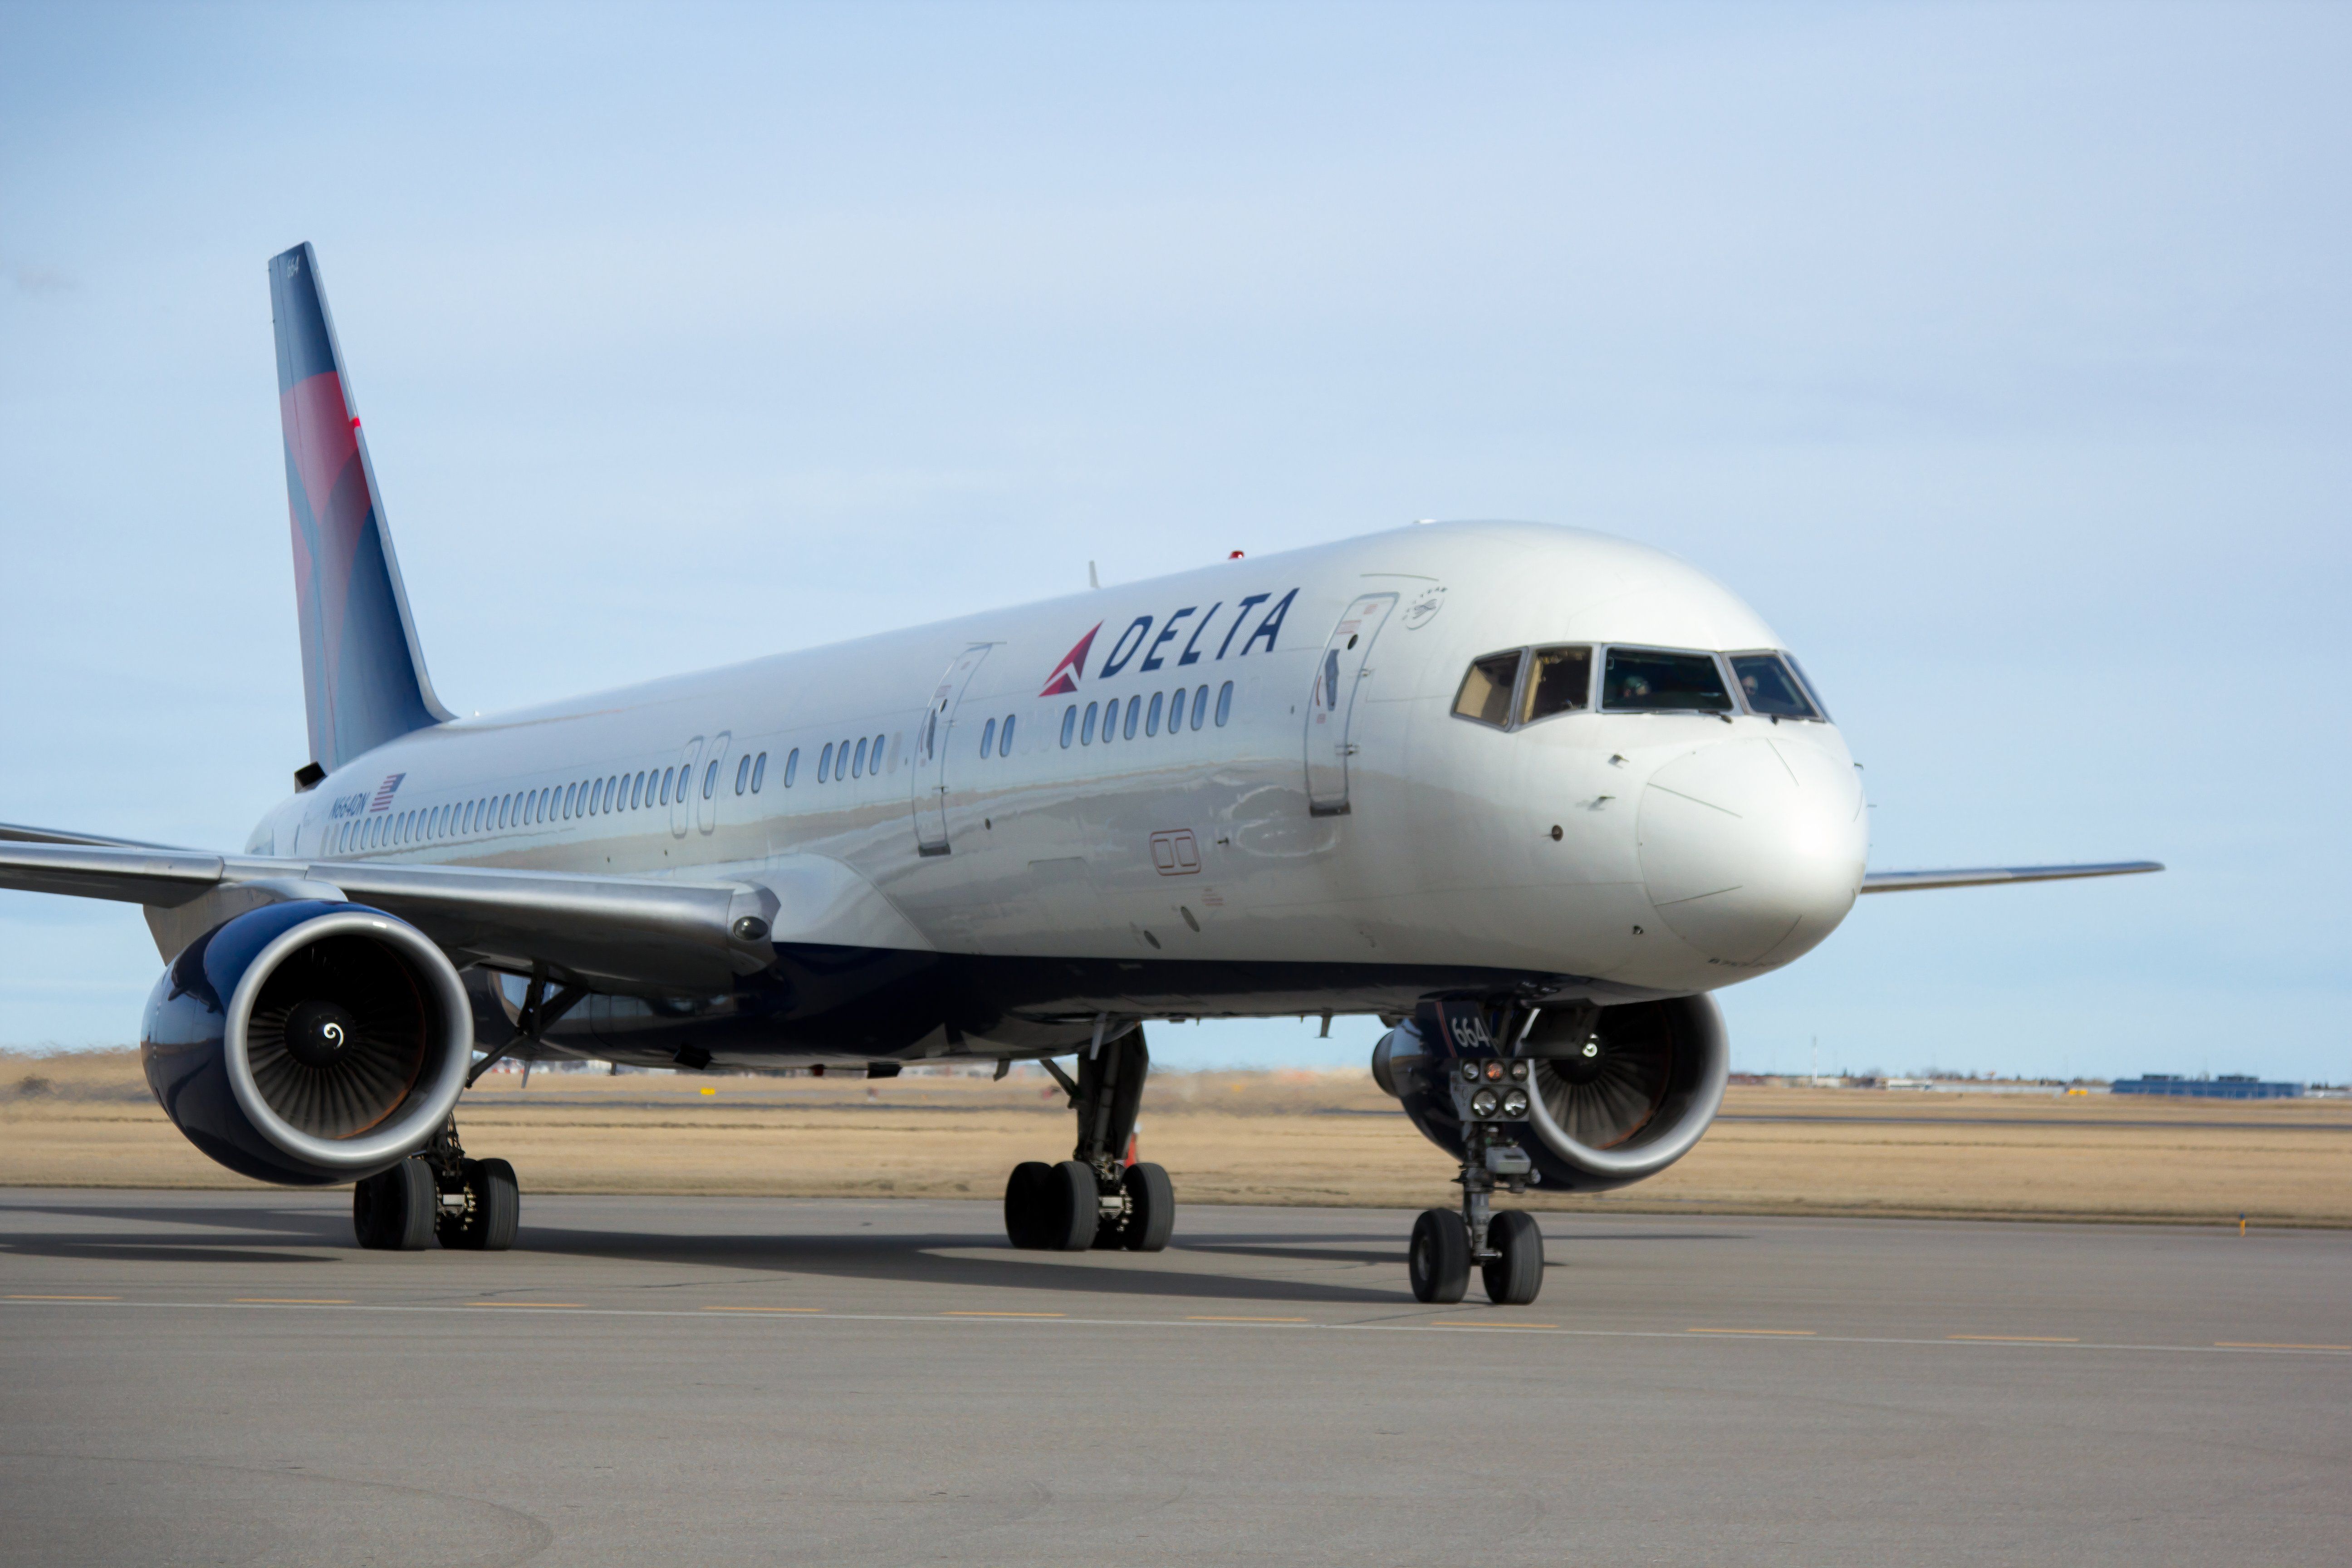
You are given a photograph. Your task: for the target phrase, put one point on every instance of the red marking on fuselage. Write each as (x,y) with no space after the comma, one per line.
(1072,667)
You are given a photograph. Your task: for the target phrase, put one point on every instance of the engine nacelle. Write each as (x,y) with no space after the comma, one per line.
(309,1043)
(1616,1093)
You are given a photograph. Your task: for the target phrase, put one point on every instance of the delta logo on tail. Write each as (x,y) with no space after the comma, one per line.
(1072,667)
(1195,647)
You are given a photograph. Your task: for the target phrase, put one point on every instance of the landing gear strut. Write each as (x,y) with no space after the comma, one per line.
(1095,1199)
(472,1205)
(1491,1097)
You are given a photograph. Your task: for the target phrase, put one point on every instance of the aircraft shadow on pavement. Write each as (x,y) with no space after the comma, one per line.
(934,1258)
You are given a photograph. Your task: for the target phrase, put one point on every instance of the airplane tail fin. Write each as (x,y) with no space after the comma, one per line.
(364,679)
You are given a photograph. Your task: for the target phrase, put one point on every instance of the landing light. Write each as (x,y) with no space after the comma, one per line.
(1515,1102)
(1483,1103)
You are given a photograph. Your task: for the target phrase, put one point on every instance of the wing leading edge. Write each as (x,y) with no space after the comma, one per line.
(1985,876)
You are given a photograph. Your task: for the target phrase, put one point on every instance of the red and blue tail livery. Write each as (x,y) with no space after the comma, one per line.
(364,679)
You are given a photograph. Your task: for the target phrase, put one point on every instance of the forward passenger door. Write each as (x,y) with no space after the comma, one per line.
(1330,709)
(931,751)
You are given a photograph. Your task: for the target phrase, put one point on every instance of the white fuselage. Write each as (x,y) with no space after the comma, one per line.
(1340,813)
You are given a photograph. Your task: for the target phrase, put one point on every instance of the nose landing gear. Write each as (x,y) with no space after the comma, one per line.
(1491,1097)
(1095,1199)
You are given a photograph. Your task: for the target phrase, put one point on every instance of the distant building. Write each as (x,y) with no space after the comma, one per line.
(2229,1086)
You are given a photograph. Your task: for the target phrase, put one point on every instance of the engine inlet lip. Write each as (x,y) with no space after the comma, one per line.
(1647,1157)
(428,1106)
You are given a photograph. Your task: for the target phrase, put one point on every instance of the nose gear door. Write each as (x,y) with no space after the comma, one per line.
(931,751)
(1330,709)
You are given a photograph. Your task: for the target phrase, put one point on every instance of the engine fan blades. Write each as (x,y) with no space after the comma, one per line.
(371,1077)
(1603,1101)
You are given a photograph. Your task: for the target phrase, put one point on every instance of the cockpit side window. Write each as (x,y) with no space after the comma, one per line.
(1485,694)
(1560,682)
(1771,687)
(1640,680)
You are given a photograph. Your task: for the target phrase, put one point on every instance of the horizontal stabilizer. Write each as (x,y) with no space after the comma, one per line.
(16,833)
(1984,876)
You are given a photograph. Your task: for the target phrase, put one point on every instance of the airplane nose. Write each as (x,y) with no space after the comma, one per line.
(1752,850)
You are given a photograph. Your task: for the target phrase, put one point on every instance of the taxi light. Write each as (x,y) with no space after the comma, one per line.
(1494,1072)
(1515,1102)
(1483,1103)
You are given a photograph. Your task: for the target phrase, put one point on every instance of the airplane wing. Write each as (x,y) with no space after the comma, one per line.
(1983,876)
(610,932)
(16,833)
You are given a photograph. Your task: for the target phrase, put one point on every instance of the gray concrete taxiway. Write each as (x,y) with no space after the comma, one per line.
(202,1377)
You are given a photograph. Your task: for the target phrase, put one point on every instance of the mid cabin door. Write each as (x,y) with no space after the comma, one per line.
(933,748)
(680,813)
(1330,709)
(706,784)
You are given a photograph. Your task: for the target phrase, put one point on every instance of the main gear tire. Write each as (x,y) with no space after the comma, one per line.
(1150,1208)
(395,1210)
(493,1208)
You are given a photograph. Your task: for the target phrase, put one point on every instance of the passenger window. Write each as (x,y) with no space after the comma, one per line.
(857,765)
(1087,736)
(1485,694)
(1110,721)
(759,772)
(1559,682)
(1069,725)
(1225,703)
(1004,737)
(824,762)
(987,737)
(711,779)
(743,773)
(612,787)
(1152,720)
(1200,707)
(1770,689)
(665,784)
(1639,682)
(792,766)
(570,791)
(1134,711)
(878,753)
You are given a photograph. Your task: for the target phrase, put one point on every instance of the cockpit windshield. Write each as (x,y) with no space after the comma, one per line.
(1639,680)
(1770,685)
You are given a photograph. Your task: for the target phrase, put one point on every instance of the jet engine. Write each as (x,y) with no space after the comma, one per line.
(309,1043)
(1612,1094)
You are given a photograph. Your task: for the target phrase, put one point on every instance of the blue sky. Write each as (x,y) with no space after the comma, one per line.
(1997,355)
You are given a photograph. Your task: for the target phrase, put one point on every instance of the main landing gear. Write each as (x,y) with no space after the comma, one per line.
(1491,1097)
(1094,1199)
(472,1205)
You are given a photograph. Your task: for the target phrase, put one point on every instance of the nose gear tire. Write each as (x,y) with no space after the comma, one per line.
(1515,1273)
(1439,1261)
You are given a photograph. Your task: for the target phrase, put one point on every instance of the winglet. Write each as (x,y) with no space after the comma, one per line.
(364,679)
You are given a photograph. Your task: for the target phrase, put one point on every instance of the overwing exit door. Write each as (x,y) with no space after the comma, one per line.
(1330,709)
(932,751)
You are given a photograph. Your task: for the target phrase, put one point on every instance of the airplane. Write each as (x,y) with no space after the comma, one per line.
(1530,793)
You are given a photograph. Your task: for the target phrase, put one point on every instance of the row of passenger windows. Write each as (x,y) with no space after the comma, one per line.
(839,760)
(1125,720)
(556,802)
(1524,685)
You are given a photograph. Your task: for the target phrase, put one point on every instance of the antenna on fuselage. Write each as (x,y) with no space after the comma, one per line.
(1092,580)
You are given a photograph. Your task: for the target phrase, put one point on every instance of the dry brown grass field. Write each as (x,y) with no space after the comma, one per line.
(1313,1138)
